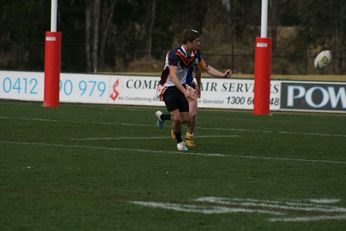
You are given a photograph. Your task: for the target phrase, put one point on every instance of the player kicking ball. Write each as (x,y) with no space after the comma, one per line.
(184,60)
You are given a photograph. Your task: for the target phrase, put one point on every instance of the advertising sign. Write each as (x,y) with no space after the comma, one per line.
(21,85)
(130,90)
(234,94)
(215,93)
(140,90)
(317,96)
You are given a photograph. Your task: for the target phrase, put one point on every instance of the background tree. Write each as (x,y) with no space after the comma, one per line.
(106,20)
(98,17)
(92,24)
(23,24)
(118,35)
(322,26)
(151,22)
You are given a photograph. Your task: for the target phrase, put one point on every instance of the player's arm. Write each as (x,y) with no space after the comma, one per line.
(214,72)
(176,81)
(198,75)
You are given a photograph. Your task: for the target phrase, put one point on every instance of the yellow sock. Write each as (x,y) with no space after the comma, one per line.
(189,135)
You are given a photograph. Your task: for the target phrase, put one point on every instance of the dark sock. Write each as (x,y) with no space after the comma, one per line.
(165,117)
(178,137)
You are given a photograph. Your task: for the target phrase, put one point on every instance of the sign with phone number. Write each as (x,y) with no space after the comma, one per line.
(129,90)
(84,88)
(73,87)
(21,85)
(234,94)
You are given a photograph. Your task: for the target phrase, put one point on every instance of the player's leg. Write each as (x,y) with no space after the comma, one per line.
(192,123)
(183,106)
(161,118)
(176,103)
(184,117)
(176,124)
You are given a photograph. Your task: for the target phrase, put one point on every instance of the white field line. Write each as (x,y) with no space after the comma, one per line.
(56,121)
(215,205)
(252,130)
(324,201)
(174,152)
(202,209)
(290,203)
(111,149)
(312,134)
(273,204)
(148,138)
(288,159)
(152,125)
(307,219)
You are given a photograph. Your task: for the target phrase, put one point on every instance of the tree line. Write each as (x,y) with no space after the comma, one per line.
(126,35)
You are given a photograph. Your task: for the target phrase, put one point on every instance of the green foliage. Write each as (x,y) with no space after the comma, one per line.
(222,23)
(23,24)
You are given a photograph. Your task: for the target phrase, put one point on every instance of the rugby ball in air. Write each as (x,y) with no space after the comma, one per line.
(323,59)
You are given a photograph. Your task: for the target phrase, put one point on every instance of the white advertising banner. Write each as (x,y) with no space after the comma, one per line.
(140,90)
(21,85)
(234,94)
(129,90)
(133,90)
(83,88)
(215,93)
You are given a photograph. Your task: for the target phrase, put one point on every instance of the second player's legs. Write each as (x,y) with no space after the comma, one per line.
(193,115)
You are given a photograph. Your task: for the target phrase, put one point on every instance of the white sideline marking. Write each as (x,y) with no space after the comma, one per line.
(298,203)
(152,125)
(272,204)
(173,152)
(149,138)
(324,201)
(252,130)
(122,138)
(291,212)
(306,219)
(312,134)
(202,209)
(288,159)
(111,149)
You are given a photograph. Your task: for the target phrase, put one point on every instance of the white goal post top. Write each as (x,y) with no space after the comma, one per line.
(264,18)
(53,16)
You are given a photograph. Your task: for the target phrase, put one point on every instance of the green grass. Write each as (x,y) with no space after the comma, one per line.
(81,167)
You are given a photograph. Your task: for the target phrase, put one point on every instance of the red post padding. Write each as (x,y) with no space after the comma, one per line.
(52,69)
(263,54)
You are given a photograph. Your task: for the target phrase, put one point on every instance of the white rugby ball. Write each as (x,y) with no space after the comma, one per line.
(323,59)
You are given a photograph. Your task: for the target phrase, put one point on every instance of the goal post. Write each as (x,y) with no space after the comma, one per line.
(52,59)
(263,55)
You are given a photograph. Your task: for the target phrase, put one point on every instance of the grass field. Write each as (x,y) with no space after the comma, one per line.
(98,167)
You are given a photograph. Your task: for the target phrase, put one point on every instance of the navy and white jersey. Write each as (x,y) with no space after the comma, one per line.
(183,61)
(201,62)
(189,76)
